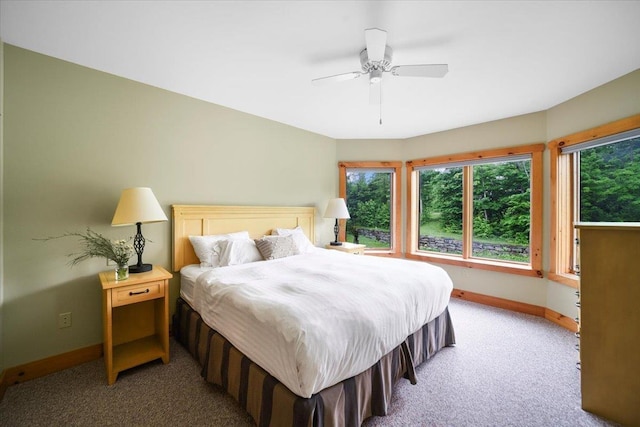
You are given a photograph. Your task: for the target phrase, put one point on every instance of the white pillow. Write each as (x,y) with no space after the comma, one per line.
(301,240)
(207,247)
(238,251)
(274,247)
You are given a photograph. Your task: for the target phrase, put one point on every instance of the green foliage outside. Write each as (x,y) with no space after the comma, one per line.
(609,191)
(369,204)
(501,200)
(610,183)
(369,199)
(441,199)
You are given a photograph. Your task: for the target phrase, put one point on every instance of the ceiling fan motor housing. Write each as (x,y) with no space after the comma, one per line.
(384,65)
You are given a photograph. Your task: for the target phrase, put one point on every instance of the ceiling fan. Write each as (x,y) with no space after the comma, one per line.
(376,59)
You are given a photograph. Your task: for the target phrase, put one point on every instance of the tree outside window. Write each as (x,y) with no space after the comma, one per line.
(609,182)
(371,191)
(595,177)
(481,210)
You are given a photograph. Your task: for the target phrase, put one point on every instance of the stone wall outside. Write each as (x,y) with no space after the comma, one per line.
(451,246)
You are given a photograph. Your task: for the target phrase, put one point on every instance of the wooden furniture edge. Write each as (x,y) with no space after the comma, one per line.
(520,307)
(49,365)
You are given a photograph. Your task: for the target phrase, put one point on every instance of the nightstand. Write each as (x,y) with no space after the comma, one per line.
(352,248)
(135,319)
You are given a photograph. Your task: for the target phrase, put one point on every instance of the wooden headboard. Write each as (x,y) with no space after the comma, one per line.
(200,220)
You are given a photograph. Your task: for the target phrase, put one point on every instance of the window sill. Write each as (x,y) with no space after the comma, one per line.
(566,279)
(383,253)
(503,267)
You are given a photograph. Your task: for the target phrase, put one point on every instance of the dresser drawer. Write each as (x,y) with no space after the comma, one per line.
(136,293)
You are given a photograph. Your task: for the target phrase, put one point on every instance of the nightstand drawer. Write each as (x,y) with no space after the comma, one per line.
(136,293)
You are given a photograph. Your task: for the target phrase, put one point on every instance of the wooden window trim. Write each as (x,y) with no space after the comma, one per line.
(562,212)
(534,268)
(396,189)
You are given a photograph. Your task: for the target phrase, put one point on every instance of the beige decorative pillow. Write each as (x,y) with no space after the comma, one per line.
(273,247)
(301,240)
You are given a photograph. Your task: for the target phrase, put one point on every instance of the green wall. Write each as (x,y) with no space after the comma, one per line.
(74,138)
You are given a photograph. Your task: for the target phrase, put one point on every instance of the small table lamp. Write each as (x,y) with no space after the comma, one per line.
(337,208)
(136,206)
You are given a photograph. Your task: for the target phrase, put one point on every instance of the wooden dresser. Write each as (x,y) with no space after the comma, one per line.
(610,320)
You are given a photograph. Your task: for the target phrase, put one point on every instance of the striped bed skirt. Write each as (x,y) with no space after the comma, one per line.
(270,403)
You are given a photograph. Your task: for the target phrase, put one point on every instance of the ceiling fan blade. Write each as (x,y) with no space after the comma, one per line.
(375,93)
(376,43)
(425,70)
(336,78)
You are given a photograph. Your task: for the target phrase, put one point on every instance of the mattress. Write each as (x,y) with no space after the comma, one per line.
(315,319)
(188,276)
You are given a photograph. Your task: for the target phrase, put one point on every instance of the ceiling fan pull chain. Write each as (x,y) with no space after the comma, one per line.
(380,104)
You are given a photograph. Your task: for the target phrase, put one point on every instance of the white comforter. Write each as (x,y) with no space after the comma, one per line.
(315,319)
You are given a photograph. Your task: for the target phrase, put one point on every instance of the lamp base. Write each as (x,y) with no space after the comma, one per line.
(335,243)
(140,268)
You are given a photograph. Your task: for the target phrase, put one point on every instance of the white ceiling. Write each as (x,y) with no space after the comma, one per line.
(505,58)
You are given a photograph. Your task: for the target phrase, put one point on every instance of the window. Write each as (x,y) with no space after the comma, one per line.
(595,177)
(372,193)
(480,210)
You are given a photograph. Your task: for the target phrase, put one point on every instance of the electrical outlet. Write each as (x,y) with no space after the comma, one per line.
(110,263)
(64,320)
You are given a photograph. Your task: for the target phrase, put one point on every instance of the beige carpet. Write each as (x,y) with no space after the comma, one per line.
(507,369)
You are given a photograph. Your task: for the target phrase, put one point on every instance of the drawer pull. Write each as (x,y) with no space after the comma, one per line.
(138,293)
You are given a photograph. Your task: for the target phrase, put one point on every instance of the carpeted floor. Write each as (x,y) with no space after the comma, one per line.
(507,369)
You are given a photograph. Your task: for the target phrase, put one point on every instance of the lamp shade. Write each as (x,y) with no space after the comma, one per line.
(337,208)
(138,205)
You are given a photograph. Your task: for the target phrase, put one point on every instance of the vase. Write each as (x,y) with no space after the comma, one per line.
(122,272)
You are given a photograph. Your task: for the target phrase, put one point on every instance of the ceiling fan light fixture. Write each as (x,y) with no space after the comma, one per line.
(375,76)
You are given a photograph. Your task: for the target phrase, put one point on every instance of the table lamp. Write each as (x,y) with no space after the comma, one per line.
(137,206)
(336,208)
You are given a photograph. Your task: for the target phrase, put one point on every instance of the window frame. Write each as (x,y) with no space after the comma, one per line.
(396,189)
(534,267)
(563,198)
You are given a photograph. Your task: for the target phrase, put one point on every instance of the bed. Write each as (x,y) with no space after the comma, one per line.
(261,330)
